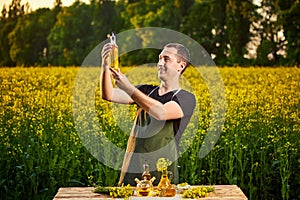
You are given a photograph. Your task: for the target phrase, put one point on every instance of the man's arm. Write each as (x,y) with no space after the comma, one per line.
(108,92)
(167,111)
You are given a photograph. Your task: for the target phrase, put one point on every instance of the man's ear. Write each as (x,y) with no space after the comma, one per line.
(183,65)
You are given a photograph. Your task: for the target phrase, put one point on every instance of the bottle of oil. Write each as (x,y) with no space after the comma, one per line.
(165,188)
(144,187)
(114,54)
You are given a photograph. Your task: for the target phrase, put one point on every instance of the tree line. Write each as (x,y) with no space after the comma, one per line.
(233,32)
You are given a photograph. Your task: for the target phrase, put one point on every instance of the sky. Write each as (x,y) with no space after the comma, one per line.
(35,4)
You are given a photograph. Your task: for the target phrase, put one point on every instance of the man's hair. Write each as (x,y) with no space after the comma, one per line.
(182,53)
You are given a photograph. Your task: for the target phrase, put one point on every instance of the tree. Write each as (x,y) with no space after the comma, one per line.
(269,28)
(4,13)
(263,51)
(6,27)
(220,41)
(106,19)
(146,13)
(71,35)
(57,7)
(198,25)
(238,20)
(8,21)
(57,4)
(290,17)
(28,38)
(184,6)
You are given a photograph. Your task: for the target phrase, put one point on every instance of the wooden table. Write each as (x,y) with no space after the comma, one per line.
(225,192)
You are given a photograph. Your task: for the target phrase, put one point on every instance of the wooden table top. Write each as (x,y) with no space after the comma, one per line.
(225,192)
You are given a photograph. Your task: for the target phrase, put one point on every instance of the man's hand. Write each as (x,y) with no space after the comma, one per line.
(105,53)
(122,82)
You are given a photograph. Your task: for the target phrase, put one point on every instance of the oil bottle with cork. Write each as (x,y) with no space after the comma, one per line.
(144,187)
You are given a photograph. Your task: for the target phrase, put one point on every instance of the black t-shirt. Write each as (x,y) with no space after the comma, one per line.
(185,100)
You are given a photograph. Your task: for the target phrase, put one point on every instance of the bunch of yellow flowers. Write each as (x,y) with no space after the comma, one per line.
(162,164)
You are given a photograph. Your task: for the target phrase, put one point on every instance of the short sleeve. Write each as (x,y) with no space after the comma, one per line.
(186,101)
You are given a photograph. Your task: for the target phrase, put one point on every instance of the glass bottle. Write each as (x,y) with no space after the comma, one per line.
(164,180)
(144,187)
(165,188)
(114,54)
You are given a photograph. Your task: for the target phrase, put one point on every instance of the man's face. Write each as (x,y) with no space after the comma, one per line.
(168,65)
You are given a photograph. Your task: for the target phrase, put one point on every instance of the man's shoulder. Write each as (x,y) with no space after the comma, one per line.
(186,93)
(186,97)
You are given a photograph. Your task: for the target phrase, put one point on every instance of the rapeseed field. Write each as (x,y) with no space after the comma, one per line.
(258,148)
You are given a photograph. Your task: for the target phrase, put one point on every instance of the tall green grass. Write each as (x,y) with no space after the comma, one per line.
(257,150)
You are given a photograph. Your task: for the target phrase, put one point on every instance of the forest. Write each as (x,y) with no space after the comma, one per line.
(233,32)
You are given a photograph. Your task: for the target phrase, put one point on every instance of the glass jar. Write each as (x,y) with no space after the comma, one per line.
(144,187)
(165,188)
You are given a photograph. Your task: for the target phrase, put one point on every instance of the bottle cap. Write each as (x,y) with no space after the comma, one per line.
(113,38)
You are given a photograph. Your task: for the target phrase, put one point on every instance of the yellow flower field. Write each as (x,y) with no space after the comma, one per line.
(258,148)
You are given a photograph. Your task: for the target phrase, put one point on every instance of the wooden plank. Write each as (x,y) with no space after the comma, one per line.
(78,193)
(222,192)
(227,192)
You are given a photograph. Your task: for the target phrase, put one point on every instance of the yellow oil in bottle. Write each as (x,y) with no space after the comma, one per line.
(144,192)
(114,54)
(165,188)
(144,188)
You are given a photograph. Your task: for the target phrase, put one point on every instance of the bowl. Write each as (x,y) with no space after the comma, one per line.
(181,187)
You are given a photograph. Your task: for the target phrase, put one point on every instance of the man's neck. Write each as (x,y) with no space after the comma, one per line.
(167,87)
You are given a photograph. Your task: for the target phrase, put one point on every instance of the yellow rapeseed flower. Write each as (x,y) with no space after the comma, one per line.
(162,164)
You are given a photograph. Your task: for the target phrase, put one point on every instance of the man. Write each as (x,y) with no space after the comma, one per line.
(164,110)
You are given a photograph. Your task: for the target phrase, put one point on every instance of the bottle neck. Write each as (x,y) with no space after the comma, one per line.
(164,175)
(146,174)
(113,39)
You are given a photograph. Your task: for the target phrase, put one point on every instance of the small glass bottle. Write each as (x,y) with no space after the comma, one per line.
(114,54)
